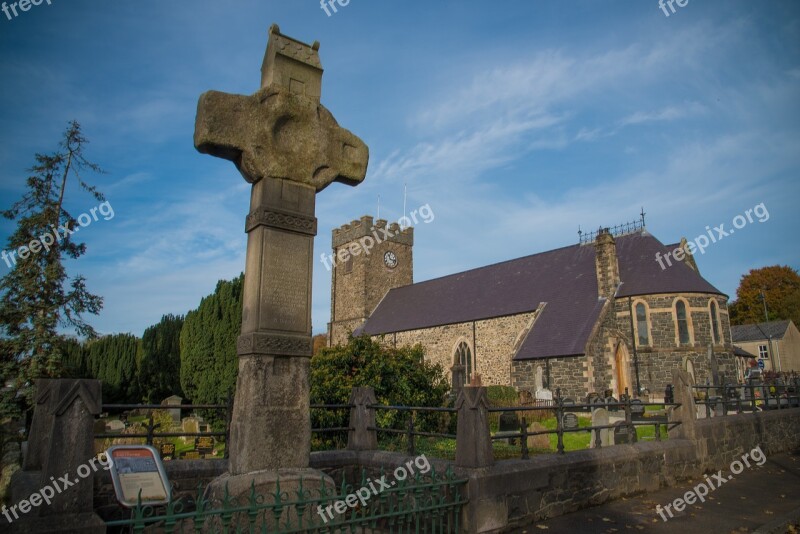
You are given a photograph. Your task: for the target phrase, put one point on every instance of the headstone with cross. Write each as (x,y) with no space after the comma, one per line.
(289,147)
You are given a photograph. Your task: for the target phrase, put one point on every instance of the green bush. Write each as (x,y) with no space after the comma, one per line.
(399,376)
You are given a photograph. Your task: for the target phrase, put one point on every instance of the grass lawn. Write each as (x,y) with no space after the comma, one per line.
(573,441)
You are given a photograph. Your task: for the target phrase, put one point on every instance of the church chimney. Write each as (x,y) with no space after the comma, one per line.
(606,264)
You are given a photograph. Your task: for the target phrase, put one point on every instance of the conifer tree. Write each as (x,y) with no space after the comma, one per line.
(160,361)
(39,300)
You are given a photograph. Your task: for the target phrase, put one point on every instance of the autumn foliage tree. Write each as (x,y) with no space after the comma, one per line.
(780,286)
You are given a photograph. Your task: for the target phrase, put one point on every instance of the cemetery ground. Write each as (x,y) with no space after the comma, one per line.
(503,449)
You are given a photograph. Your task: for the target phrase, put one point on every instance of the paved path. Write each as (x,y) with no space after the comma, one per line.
(759,499)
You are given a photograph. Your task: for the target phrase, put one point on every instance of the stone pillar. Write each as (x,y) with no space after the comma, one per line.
(66,462)
(362,418)
(288,146)
(271,425)
(684,395)
(41,425)
(473,438)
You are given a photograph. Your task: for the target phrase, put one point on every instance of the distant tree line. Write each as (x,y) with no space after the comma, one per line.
(192,356)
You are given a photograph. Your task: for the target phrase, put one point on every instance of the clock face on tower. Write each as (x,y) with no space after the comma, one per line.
(390,259)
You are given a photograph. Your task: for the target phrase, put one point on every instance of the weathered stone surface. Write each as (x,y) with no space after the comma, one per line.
(285,143)
(73,405)
(266,483)
(271,428)
(600,418)
(473,442)
(41,425)
(539,442)
(282,131)
(362,418)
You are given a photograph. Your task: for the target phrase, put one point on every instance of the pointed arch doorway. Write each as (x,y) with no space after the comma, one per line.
(622,374)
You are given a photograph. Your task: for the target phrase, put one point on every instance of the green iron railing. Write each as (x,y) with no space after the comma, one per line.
(422,503)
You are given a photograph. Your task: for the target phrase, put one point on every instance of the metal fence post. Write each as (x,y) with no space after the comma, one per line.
(559,420)
(524,445)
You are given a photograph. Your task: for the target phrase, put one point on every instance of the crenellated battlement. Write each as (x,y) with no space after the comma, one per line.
(381,230)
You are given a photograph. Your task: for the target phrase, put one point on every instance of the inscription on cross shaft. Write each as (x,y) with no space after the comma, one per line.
(289,147)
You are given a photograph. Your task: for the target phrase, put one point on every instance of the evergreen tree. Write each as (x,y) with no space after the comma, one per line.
(208,345)
(39,300)
(113,360)
(160,361)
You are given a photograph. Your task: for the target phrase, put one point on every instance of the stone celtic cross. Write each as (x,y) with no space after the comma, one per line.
(289,147)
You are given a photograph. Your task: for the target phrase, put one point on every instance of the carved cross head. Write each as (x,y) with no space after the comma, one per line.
(282,131)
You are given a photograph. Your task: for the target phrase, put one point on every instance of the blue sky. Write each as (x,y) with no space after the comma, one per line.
(516,121)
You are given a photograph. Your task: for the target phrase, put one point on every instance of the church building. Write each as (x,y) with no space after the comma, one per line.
(603,314)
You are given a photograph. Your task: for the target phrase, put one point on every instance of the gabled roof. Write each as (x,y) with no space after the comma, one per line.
(759,331)
(739,351)
(563,279)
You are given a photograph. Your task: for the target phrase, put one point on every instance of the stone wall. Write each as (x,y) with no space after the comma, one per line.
(492,342)
(514,493)
(359,277)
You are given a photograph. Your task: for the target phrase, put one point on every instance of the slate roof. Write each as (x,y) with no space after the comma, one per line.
(759,331)
(564,280)
(739,351)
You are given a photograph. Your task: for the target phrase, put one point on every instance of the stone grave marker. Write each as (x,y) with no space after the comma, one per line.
(623,434)
(637,410)
(190,425)
(612,400)
(541,441)
(175,413)
(204,444)
(509,423)
(600,418)
(167,451)
(569,421)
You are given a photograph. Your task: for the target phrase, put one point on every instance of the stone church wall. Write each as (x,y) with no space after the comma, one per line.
(492,342)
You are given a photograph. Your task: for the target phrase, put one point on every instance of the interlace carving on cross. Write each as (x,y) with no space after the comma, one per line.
(282,131)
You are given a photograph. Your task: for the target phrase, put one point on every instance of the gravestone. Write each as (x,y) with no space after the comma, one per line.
(544,394)
(623,434)
(289,147)
(612,400)
(569,421)
(637,410)
(541,441)
(167,451)
(600,418)
(190,425)
(204,444)
(509,423)
(175,413)
(115,426)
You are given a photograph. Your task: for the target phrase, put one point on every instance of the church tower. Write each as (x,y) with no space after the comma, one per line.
(368,260)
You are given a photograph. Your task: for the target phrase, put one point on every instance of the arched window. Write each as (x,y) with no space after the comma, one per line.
(683,322)
(715,322)
(464,358)
(641,324)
